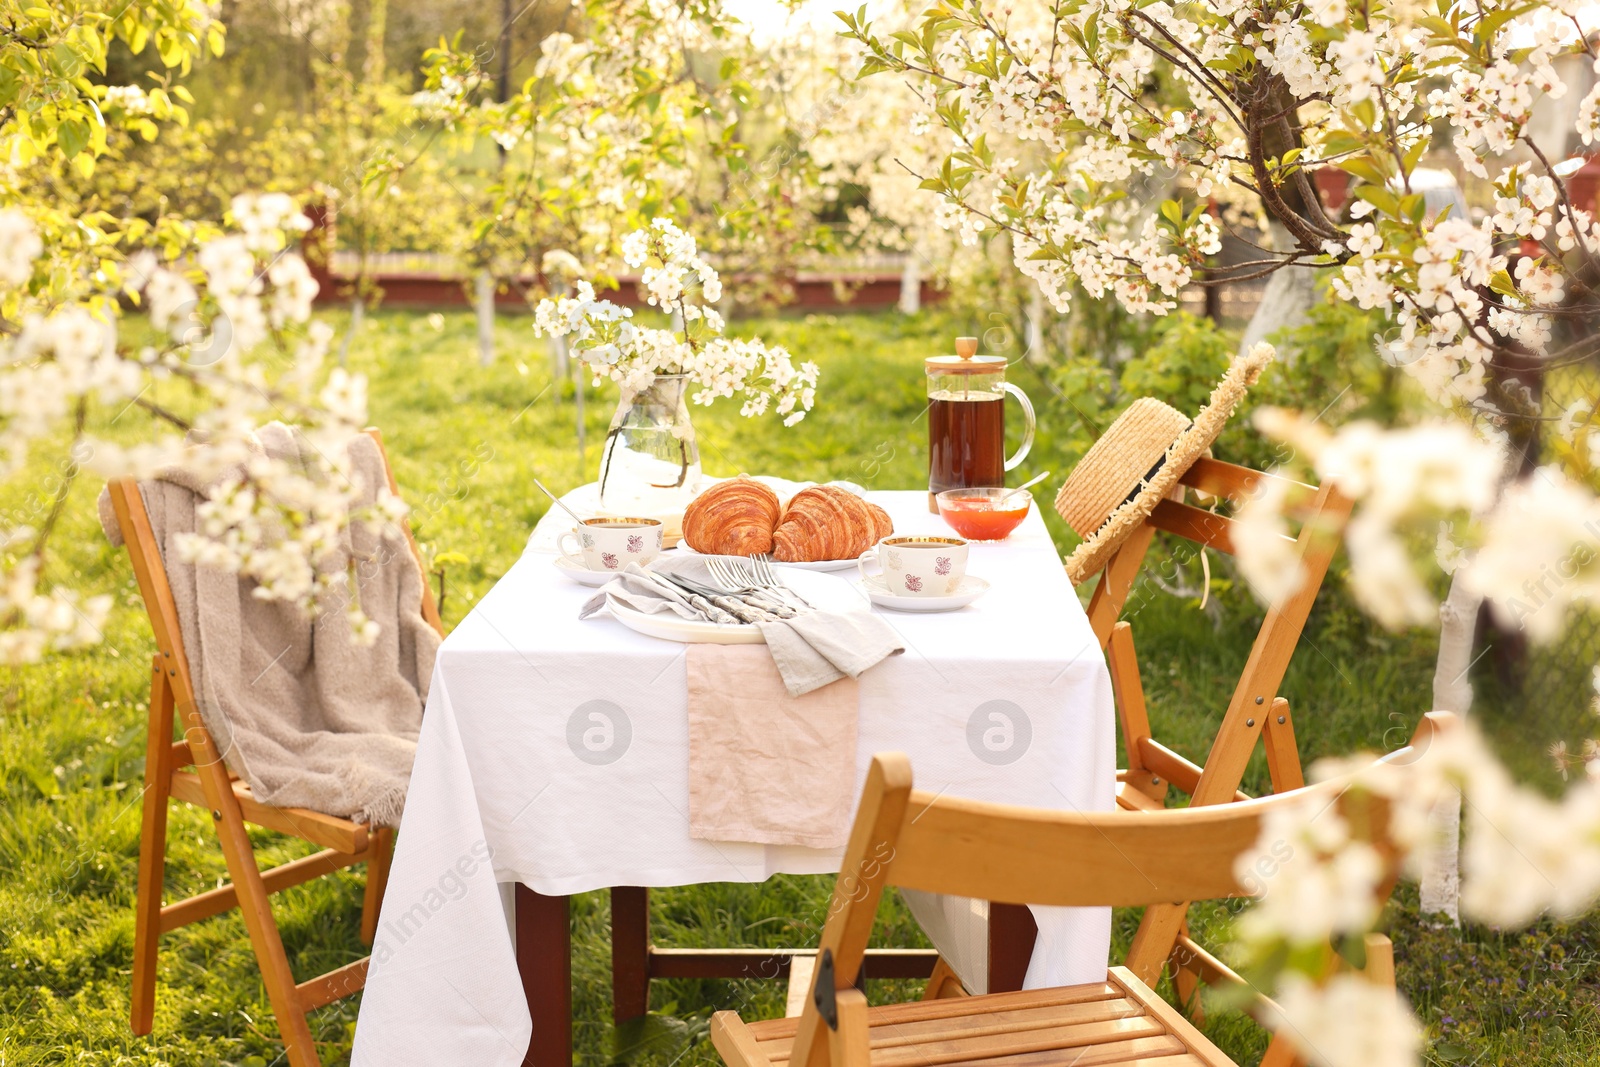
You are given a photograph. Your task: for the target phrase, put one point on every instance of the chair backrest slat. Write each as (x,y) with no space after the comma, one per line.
(1193,524)
(151,572)
(1023,856)
(930,841)
(1220,478)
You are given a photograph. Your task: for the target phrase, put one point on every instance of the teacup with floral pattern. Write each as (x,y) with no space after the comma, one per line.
(611,544)
(918,566)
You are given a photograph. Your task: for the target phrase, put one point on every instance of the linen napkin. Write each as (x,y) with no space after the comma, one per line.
(811,650)
(764,766)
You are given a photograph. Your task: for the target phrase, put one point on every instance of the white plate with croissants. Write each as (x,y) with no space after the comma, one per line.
(821,528)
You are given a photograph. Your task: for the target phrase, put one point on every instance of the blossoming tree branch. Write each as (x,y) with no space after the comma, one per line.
(221,296)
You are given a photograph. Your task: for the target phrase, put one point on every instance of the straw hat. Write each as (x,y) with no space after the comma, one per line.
(1138,460)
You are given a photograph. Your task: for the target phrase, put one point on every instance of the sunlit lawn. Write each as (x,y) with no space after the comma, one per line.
(464,442)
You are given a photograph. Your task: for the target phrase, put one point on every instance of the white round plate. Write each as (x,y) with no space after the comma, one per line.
(822,592)
(583,575)
(819,565)
(971,588)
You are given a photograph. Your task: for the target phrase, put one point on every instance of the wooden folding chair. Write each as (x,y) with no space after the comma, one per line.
(1255,710)
(911,838)
(192,770)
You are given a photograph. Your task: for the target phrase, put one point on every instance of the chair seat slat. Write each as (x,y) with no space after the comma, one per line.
(921,1010)
(978,1024)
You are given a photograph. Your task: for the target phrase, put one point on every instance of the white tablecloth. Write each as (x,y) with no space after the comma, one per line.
(555,753)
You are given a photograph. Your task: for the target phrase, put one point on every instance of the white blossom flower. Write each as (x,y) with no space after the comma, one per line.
(1347,1022)
(20,245)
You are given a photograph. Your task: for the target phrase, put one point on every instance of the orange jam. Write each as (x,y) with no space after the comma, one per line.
(976,519)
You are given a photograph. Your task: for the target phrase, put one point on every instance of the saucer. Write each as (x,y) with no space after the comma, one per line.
(583,575)
(970,589)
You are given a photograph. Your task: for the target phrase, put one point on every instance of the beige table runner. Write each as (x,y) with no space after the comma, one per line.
(766,767)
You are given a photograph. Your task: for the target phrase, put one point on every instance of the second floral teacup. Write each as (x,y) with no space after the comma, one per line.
(611,544)
(918,566)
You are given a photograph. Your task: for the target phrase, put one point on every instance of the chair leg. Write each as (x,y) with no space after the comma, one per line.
(1281,1053)
(1283,754)
(152,854)
(1187,984)
(381,844)
(1380,961)
(1154,941)
(848,1045)
(256,908)
(1128,687)
(943,983)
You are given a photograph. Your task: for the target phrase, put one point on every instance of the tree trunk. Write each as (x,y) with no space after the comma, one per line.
(1036,325)
(559,353)
(358,315)
(578,375)
(1452,691)
(911,285)
(1290,294)
(483,289)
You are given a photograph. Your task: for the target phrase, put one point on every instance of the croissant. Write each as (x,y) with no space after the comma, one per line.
(732,518)
(825,522)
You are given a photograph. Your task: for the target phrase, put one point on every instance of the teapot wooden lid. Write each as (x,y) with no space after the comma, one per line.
(965,361)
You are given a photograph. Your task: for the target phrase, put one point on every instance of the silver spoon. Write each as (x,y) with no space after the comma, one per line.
(1029,484)
(563,506)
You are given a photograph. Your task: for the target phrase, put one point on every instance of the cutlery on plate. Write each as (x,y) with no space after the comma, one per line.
(746,605)
(696,600)
(767,578)
(745,574)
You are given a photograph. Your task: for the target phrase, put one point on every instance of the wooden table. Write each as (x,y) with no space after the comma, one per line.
(544,958)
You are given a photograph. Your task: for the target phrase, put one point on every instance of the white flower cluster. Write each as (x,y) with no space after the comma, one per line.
(243,526)
(1401,480)
(279,522)
(129,98)
(1523,855)
(20,245)
(42,621)
(1347,1022)
(613,347)
(254,285)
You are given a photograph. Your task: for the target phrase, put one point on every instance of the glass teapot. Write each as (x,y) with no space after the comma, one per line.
(966,420)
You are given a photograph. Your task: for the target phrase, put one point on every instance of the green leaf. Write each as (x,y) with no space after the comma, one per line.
(1380,198)
(73,136)
(1414,155)
(1172,212)
(1364,168)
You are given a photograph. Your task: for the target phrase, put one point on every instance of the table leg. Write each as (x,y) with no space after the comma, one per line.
(630,952)
(544,959)
(1011,935)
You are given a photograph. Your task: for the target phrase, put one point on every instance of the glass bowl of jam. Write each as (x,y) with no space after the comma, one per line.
(984,514)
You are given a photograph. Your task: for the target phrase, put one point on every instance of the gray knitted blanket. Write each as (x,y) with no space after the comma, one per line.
(303,714)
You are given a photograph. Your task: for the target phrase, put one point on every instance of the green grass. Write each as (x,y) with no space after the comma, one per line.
(465,442)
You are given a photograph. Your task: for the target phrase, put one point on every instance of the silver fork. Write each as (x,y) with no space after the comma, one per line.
(744,575)
(766,577)
(727,575)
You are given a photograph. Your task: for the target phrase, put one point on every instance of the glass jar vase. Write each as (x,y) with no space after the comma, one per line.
(650,464)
